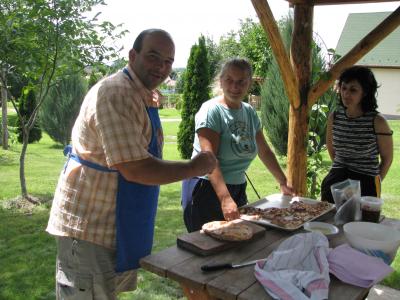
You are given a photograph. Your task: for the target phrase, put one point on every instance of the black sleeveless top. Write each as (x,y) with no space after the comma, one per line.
(355,143)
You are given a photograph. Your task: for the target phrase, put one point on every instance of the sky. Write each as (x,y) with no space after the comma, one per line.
(186,20)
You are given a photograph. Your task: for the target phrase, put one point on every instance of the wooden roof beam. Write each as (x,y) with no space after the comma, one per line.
(373,38)
(334,2)
(269,24)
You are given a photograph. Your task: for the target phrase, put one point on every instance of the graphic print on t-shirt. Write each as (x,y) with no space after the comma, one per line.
(242,143)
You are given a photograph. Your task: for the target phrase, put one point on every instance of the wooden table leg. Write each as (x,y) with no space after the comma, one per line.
(196,294)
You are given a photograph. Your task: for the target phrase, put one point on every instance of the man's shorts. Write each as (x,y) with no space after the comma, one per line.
(87,271)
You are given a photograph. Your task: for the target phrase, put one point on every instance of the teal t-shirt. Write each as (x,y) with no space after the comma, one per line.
(237,129)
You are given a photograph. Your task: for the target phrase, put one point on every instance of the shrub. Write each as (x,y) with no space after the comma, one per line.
(61,107)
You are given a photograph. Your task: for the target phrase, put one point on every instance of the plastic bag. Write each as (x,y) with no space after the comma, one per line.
(346,195)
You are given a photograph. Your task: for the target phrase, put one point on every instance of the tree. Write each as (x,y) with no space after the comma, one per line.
(249,41)
(196,91)
(214,57)
(42,39)
(61,108)
(254,45)
(27,104)
(15,84)
(275,110)
(180,82)
(229,46)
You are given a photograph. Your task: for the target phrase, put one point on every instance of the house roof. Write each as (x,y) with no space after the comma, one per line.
(385,54)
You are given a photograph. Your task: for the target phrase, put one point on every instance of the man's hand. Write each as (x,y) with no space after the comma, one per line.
(203,163)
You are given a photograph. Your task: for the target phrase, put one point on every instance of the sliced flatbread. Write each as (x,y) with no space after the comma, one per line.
(228,230)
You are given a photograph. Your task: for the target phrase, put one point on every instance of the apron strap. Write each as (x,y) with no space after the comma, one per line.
(70,155)
(125,70)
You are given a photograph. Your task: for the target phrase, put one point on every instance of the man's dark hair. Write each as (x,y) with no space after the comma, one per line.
(138,43)
(367,80)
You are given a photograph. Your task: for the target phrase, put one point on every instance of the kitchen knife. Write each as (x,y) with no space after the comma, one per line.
(215,267)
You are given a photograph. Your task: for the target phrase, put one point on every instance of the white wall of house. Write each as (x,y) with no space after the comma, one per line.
(389,90)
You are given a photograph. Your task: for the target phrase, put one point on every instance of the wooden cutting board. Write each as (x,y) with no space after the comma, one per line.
(203,244)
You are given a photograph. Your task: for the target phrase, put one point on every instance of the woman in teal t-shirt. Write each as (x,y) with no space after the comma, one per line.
(230,129)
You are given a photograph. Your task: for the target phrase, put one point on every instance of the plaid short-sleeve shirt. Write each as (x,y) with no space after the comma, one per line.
(112,127)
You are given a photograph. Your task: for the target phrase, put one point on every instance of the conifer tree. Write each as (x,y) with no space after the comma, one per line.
(61,107)
(196,91)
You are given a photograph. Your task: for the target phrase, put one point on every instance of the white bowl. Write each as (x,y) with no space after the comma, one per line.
(325,228)
(372,236)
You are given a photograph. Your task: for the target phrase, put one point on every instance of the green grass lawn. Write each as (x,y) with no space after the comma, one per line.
(27,253)
(169,114)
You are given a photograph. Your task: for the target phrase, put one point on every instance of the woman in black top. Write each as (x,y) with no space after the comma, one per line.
(359,139)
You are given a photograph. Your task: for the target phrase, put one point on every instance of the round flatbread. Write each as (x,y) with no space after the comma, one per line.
(228,230)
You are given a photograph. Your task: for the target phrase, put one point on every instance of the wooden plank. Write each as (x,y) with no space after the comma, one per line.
(268,22)
(341,290)
(243,277)
(372,39)
(255,291)
(192,294)
(189,272)
(204,245)
(160,262)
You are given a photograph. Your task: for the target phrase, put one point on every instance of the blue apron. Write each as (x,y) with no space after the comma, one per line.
(136,206)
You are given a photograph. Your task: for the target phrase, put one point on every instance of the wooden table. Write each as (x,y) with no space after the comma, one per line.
(184,267)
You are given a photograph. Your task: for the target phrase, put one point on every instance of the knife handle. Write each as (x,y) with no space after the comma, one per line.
(216,267)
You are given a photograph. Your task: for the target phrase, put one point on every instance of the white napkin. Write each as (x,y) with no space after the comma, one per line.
(298,269)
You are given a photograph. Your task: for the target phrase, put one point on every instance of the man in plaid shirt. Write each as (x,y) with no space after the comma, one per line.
(105,202)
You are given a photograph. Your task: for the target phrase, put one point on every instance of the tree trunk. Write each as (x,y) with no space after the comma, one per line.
(25,139)
(26,128)
(4,121)
(298,116)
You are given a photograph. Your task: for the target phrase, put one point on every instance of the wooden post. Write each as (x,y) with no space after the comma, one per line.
(267,21)
(298,116)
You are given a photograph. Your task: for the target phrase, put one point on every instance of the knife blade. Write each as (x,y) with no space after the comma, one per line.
(215,267)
